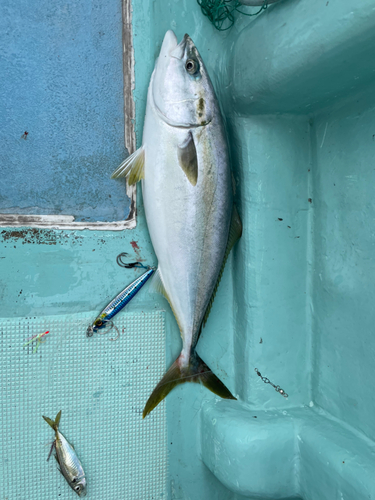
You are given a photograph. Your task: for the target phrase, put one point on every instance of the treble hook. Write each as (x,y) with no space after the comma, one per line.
(90,330)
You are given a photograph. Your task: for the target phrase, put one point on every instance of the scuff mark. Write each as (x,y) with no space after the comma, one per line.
(324,136)
(39,236)
(30,236)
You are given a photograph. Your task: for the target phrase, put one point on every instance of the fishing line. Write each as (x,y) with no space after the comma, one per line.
(221,12)
(111,328)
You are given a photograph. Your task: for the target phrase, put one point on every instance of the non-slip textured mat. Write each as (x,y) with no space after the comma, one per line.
(101,388)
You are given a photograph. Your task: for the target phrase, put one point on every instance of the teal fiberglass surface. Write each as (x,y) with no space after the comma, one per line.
(296,87)
(61,109)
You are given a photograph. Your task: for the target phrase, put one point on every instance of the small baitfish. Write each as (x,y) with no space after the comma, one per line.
(188,198)
(70,466)
(119,302)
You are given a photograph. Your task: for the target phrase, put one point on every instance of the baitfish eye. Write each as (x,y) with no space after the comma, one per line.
(191,66)
(77,488)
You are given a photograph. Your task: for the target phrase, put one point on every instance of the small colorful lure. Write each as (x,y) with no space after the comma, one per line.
(37,339)
(119,302)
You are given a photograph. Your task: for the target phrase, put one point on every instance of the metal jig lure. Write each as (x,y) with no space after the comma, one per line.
(118,303)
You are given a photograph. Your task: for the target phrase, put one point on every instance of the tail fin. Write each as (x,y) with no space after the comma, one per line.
(54,424)
(197,372)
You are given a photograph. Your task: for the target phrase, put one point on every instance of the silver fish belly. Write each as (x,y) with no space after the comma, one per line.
(188,224)
(70,465)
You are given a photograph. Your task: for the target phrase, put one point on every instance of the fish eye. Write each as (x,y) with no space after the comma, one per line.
(191,66)
(77,488)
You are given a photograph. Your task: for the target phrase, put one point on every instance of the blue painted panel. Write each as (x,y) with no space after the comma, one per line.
(61,82)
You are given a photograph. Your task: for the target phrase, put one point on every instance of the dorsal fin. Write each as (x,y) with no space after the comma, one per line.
(132,167)
(235,232)
(187,158)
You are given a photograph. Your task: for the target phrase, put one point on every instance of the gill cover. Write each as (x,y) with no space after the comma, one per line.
(181,88)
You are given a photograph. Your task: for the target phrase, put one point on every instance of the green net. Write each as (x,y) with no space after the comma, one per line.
(221,12)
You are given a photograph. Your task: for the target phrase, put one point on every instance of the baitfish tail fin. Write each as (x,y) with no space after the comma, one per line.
(197,372)
(53,423)
(132,167)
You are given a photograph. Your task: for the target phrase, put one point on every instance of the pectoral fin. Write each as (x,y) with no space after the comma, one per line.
(187,158)
(132,168)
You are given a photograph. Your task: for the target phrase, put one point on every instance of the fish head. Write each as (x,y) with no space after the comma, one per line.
(181,87)
(79,486)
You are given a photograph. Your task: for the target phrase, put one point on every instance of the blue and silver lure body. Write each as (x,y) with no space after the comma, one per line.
(119,302)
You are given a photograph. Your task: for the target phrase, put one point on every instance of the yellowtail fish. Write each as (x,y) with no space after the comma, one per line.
(70,466)
(188,199)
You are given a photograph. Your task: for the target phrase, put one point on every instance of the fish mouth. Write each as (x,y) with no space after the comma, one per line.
(169,43)
(179,51)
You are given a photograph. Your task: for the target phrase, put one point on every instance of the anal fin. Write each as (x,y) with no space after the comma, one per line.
(132,168)
(157,285)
